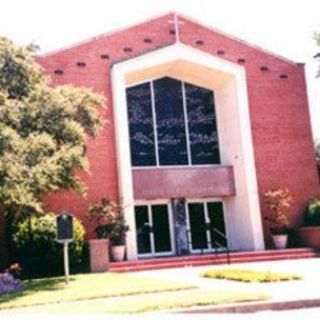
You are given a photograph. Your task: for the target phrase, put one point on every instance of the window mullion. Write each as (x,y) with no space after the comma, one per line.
(186,125)
(155,132)
(151,234)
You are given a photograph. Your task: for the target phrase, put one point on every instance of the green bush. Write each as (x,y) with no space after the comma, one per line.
(42,255)
(246,275)
(312,215)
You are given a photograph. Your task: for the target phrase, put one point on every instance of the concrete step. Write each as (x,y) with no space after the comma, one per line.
(213,259)
(212,256)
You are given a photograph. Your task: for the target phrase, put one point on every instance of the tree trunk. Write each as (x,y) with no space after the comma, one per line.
(31,253)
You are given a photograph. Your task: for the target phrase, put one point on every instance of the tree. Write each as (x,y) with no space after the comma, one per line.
(43,130)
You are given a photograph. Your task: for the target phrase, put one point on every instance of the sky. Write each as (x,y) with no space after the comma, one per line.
(284,27)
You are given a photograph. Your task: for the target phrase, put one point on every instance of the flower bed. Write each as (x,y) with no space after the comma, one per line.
(246,275)
(9,284)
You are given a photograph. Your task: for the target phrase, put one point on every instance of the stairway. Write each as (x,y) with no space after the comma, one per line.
(212,259)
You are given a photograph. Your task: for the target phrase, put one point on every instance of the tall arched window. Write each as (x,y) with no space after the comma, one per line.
(172,123)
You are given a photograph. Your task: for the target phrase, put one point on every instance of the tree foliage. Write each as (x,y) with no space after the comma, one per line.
(312,214)
(42,131)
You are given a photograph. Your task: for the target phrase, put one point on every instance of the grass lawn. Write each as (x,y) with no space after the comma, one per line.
(246,275)
(150,302)
(83,287)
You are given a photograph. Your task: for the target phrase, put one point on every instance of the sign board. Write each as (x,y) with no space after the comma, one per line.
(65,235)
(64,227)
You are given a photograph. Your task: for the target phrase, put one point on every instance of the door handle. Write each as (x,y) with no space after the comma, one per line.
(148,228)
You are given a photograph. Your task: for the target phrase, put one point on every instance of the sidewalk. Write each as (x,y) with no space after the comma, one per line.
(284,295)
(304,293)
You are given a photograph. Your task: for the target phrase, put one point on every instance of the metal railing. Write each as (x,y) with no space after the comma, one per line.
(213,242)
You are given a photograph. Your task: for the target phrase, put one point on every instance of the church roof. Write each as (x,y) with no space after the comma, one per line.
(165,19)
(156,33)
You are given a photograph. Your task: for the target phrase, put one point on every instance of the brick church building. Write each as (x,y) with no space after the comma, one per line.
(200,125)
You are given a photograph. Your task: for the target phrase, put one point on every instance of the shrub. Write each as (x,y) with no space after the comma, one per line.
(9,284)
(43,255)
(108,217)
(312,215)
(278,201)
(246,275)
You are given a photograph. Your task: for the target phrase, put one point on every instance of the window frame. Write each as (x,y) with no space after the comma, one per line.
(155,133)
(204,202)
(149,205)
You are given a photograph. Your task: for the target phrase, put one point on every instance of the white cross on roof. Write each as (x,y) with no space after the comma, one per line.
(176,24)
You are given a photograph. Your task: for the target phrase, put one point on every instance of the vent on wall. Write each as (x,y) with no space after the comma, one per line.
(283,76)
(147,40)
(104,56)
(199,43)
(81,64)
(220,52)
(264,68)
(58,72)
(127,50)
(241,60)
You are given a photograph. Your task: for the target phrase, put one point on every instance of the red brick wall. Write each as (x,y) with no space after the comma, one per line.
(278,108)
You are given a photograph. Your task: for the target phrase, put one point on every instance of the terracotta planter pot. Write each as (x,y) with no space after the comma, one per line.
(280,241)
(309,236)
(99,255)
(118,252)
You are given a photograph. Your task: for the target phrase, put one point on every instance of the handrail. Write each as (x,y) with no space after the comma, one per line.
(212,243)
(218,232)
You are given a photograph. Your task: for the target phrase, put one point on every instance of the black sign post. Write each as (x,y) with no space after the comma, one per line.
(65,236)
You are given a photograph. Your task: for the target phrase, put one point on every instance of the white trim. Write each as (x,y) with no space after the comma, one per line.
(179,166)
(152,202)
(134,84)
(124,162)
(173,53)
(248,155)
(234,128)
(151,236)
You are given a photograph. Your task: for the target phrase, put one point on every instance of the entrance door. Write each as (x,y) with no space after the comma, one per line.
(206,227)
(154,230)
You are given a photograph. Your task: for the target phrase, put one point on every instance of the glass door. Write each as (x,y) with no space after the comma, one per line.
(143,228)
(154,230)
(198,236)
(217,225)
(206,226)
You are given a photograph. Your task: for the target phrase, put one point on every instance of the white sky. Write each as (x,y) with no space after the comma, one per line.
(285,27)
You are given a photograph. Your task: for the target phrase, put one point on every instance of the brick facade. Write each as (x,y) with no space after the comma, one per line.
(278,104)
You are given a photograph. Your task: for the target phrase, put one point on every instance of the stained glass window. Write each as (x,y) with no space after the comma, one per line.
(167,128)
(171,130)
(203,137)
(141,130)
